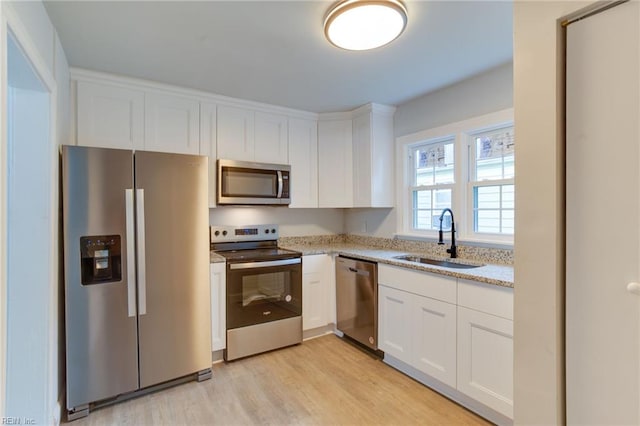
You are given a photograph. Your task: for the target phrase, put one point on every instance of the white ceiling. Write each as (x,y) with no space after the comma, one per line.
(275,51)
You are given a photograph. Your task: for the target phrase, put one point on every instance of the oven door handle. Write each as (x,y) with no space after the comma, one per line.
(280,184)
(267,264)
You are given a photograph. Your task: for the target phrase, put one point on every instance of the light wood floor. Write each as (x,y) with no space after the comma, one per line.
(324,381)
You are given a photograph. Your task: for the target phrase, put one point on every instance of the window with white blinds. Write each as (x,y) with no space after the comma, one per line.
(491,181)
(469,167)
(433,178)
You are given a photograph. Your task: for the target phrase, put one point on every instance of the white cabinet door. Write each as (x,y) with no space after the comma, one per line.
(603,218)
(109,116)
(434,338)
(218,306)
(373,158)
(235,133)
(394,319)
(271,140)
(315,291)
(335,166)
(485,359)
(303,158)
(208,147)
(171,124)
(362,161)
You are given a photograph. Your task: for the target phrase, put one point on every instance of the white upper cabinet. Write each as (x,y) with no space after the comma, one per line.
(335,163)
(235,133)
(356,158)
(109,116)
(303,158)
(208,145)
(271,140)
(172,124)
(373,159)
(247,135)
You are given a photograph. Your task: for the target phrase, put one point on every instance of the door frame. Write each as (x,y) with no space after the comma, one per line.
(10,23)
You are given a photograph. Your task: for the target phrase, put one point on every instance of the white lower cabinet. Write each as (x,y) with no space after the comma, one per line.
(316,271)
(419,331)
(485,344)
(485,359)
(394,313)
(218,281)
(456,331)
(435,339)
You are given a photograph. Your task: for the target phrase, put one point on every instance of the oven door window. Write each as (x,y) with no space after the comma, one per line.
(260,295)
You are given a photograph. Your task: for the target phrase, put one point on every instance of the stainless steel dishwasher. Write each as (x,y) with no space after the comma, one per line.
(357,300)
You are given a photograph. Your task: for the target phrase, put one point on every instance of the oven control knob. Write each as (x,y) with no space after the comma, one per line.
(217,233)
(224,233)
(266,231)
(273,231)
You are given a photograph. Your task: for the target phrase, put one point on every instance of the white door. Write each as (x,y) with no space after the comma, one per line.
(603,218)
(235,133)
(303,158)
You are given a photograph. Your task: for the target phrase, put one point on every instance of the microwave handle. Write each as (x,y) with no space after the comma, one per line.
(280,184)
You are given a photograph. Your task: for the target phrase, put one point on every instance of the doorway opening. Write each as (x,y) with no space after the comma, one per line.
(29,238)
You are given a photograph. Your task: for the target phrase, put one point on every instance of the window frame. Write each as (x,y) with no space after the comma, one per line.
(463,133)
(413,187)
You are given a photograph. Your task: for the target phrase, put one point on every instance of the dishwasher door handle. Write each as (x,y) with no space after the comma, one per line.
(362,272)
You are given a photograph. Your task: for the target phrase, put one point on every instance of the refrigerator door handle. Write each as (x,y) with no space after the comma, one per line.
(142,274)
(131,258)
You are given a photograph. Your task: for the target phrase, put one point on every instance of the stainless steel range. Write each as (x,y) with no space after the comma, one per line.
(264,289)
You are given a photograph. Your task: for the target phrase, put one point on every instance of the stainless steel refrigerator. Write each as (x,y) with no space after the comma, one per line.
(136,265)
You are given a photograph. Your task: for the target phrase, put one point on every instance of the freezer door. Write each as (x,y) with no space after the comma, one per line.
(173,265)
(101,324)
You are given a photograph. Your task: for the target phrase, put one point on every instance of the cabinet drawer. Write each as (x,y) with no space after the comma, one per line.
(437,287)
(491,299)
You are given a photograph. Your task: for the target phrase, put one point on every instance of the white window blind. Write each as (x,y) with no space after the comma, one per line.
(432,178)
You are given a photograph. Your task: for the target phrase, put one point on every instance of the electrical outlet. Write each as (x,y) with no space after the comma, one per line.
(364,226)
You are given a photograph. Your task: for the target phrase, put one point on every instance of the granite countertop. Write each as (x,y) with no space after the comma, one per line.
(501,275)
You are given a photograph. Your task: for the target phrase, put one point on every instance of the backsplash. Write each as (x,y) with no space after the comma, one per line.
(479,254)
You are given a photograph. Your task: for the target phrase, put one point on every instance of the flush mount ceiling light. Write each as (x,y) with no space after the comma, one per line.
(364,24)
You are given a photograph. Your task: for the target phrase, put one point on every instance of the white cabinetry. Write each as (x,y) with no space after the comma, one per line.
(356,158)
(316,270)
(271,140)
(235,133)
(218,306)
(109,116)
(417,320)
(393,316)
(373,159)
(247,135)
(303,158)
(335,163)
(485,344)
(455,331)
(208,145)
(171,124)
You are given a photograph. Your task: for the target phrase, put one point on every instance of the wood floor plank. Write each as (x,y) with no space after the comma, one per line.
(324,381)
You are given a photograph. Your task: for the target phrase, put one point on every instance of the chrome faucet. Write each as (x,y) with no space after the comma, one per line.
(453,250)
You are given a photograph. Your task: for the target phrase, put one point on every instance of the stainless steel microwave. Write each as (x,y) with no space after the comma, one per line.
(244,182)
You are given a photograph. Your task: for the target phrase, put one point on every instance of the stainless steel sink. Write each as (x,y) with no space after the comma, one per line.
(436,262)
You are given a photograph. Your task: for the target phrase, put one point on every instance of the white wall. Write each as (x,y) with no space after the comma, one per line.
(30,22)
(539,235)
(293,222)
(482,94)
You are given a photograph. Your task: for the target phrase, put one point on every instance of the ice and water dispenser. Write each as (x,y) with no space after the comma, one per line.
(100,259)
